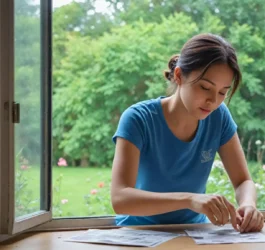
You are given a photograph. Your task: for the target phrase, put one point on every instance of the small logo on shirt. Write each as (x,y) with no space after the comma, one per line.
(206,156)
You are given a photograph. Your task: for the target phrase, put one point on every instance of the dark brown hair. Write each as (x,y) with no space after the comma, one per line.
(200,52)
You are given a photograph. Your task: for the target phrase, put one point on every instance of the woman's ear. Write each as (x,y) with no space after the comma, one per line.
(177,75)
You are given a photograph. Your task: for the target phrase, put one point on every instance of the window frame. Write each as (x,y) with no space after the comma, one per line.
(6,98)
(77,223)
(9,224)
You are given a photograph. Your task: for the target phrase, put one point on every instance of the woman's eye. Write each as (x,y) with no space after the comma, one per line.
(204,88)
(222,94)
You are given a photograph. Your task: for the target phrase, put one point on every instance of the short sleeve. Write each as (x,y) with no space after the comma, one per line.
(229,126)
(131,127)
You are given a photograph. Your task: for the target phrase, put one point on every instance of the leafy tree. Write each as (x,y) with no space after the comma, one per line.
(248,105)
(233,22)
(100,78)
(80,19)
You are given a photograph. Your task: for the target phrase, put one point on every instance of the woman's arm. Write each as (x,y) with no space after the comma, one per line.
(234,161)
(126,199)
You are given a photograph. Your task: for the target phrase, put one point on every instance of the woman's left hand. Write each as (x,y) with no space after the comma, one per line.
(252,219)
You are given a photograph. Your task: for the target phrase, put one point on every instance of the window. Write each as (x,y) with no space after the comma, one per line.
(25,129)
(104,59)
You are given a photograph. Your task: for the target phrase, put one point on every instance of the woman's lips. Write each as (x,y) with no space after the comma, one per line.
(205,110)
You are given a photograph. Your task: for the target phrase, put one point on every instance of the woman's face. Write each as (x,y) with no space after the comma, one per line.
(204,96)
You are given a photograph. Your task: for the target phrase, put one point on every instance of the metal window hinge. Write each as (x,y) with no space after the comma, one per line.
(16,112)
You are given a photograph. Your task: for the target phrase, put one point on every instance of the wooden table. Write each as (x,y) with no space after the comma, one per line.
(55,241)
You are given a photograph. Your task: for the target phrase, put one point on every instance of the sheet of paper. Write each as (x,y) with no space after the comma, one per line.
(224,235)
(124,236)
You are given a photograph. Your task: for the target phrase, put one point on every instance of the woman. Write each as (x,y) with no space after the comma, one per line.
(165,147)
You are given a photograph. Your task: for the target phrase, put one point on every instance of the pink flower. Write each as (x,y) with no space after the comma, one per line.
(263,167)
(101,184)
(64,201)
(93,191)
(62,162)
(24,167)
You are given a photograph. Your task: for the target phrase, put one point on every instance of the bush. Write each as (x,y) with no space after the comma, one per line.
(219,182)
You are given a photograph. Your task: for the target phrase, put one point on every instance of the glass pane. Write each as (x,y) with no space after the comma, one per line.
(27,94)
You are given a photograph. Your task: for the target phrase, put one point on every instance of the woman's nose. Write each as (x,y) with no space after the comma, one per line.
(212,98)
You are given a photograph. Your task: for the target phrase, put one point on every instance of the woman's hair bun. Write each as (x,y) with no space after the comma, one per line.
(169,74)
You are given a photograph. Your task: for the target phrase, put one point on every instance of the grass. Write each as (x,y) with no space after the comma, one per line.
(78,182)
(72,184)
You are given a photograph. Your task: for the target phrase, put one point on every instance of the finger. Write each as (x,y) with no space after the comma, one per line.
(254,222)
(246,221)
(239,219)
(211,217)
(261,223)
(258,227)
(241,212)
(234,216)
(217,213)
(224,210)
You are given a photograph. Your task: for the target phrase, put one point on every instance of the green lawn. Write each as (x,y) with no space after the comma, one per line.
(72,190)
(73,185)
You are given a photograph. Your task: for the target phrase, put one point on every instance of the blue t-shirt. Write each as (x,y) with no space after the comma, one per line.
(168,164)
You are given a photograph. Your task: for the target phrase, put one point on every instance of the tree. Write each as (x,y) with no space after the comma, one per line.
(234,22)
(98,83)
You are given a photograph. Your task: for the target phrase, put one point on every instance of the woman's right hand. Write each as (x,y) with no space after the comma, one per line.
(217,208)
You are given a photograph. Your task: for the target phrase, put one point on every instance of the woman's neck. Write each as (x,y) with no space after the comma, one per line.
(182,125)
(177,113)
